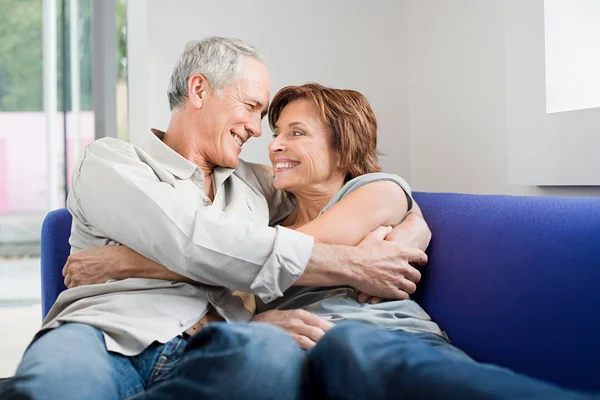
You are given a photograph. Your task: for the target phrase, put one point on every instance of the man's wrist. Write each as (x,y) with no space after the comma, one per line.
(329,265)
(127,265)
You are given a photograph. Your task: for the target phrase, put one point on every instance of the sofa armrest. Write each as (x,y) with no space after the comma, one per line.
(55,249)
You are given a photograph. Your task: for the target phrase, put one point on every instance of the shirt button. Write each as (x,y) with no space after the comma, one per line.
(206,199)
(183,322)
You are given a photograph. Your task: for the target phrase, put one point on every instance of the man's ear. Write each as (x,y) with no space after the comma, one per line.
(198,89)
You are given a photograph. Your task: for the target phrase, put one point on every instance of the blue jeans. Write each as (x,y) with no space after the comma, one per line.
(227,361)
(360,361)
(236,361)
(71,362)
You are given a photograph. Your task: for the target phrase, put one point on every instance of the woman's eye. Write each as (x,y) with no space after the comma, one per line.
(297,133)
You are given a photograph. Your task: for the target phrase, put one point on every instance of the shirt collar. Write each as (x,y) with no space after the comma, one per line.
(167,157)
(175,163)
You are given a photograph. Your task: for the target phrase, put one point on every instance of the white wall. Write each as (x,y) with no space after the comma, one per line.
(544,149)
(341,43)
(474,122)
(435,71)
(456,84)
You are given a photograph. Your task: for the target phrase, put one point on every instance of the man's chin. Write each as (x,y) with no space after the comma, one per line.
(232,162)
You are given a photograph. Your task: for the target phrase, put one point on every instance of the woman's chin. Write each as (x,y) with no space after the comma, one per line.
(280,184)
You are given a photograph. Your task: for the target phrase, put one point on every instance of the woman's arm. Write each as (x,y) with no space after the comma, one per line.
(380,203)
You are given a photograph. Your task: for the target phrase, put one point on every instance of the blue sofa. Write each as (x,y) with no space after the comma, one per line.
(514,281)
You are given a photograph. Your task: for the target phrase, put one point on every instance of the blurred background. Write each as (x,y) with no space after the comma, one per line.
(46,118)
(490,97)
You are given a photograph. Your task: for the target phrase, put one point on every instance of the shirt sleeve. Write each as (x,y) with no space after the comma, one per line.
(120,197)
(365,179)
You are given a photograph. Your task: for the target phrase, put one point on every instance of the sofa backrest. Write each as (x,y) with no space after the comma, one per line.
(514,281)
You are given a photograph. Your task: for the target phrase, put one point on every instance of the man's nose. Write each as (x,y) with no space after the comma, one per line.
(254,128)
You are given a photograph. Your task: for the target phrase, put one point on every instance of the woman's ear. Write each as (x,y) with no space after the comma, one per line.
(197,90)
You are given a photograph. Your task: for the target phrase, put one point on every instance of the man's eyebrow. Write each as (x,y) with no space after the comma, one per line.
(264,107)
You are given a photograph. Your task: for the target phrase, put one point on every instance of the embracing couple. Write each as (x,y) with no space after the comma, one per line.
(195,274)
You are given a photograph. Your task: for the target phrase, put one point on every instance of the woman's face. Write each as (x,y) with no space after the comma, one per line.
(301,151)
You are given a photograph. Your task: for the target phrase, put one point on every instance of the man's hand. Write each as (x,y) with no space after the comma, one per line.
(95,265)
(99,264)
(305,327)
(388,272)
(413,232)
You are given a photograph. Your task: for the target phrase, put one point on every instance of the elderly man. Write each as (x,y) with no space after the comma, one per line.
(117,339)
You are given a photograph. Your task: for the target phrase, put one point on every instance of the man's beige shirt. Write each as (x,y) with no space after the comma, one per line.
(152,200)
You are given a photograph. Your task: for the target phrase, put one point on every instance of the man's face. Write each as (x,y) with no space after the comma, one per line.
(231,118)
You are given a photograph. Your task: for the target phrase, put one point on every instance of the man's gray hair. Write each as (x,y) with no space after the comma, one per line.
(218,59)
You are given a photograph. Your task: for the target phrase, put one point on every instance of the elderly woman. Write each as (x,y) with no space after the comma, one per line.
(324,150)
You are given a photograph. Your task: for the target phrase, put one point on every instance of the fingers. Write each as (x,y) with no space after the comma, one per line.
(412,274)
(67,281)
(66,267)
(414,255)
(309,328)
(304,342)
(313,320)
(311,332)
(396,294)
(407,286)
(305,327)
(362,297)
(378,234)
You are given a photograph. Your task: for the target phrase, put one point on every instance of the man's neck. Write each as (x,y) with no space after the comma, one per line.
(184,143)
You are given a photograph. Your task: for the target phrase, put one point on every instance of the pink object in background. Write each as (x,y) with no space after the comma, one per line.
(3,178)
(23,163)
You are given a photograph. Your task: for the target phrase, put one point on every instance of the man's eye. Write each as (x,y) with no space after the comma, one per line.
(251,107)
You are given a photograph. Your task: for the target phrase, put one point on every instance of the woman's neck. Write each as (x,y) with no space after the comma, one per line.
(310,202)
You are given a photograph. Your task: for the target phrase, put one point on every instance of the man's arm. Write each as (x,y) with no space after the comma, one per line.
(214,248)
(413,231)
(97,265)
(120,197)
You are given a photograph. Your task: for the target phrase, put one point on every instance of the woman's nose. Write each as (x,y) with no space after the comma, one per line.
(276,145)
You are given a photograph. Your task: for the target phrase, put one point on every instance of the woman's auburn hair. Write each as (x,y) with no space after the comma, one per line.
(348,116)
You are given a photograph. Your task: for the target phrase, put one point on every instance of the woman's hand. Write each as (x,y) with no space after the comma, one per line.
(305,327)
(96,265)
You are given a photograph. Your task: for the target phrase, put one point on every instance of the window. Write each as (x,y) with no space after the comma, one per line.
(572,36)
(33,177)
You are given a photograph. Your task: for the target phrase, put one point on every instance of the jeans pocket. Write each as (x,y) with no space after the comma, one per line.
(167,361)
